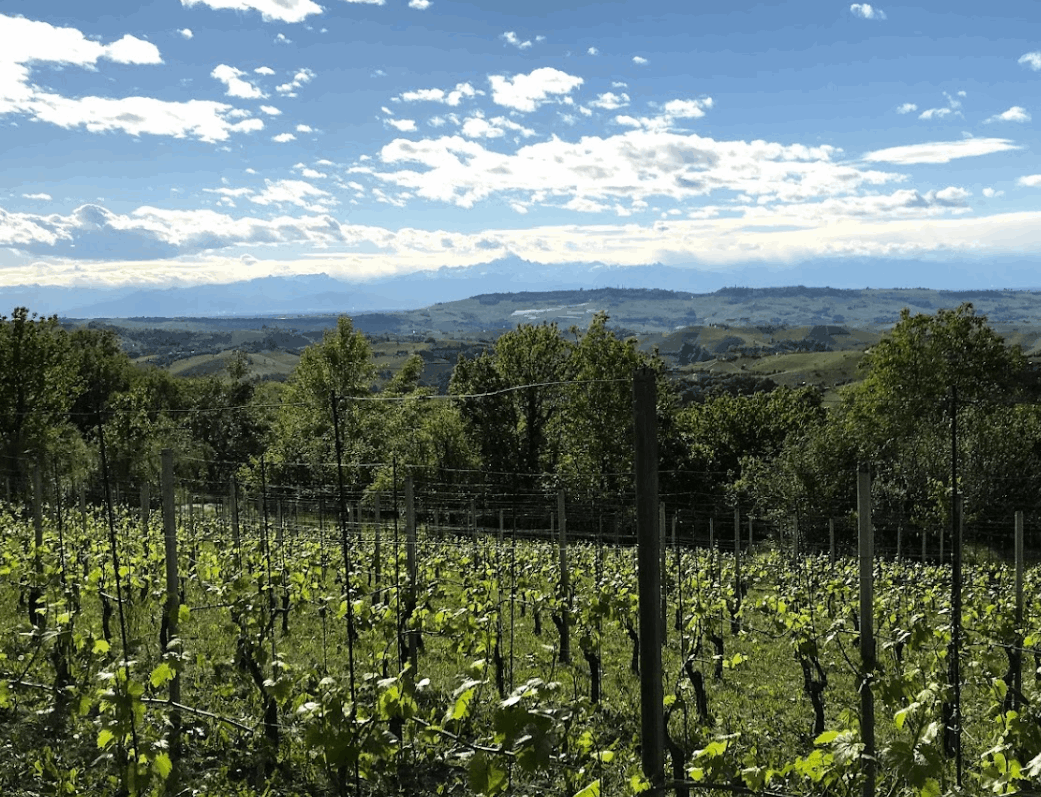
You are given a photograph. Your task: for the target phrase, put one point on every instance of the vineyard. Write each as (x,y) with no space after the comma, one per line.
(433,639)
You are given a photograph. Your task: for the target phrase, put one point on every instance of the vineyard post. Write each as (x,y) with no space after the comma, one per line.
(564,583)
(662,569)
(866,535)
(473,525)
(652,721)
(712,549)
(146,506)
(899,540)
(501,526)
(737,563)
(83,506)
(941,545)
(377,553)
(410,556)
(831,541)
(751,538)
(236,534)
(955,728)
(36,610)
(173,604)
(1017,673)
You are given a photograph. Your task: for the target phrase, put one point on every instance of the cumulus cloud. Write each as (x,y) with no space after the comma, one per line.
(421,5)
(304,129)
(990,193)
(670,112)
(404,125)
(186,32)
(866,11)
(610,101)
(1013,114)
(526,92)
(1032,60)
(264,70)
(592,51)
(907,107)
(639,60)
(24,43)
(270,110)
(627,168)
(270,10)
(236,86)
(41,196)
(301,77)
(1030,181)
(479,127)
(283,138)
(940,151)
(512,38)
(453,97)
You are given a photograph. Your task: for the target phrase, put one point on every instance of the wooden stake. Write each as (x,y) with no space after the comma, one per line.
(173,598)
(866,535)
(652,722)
(564,583)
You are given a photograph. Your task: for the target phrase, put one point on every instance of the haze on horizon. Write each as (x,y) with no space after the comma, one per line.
(181,142)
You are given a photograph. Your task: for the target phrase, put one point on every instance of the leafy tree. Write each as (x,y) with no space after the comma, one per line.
(512,427)
(37,384)
(302,441)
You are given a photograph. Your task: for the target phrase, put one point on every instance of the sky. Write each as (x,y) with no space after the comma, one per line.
(179,142)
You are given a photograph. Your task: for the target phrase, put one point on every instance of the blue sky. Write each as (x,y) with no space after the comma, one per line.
(178,142)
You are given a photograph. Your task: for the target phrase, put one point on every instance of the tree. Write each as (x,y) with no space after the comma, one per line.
(37,384)
(513,396)
(302,441)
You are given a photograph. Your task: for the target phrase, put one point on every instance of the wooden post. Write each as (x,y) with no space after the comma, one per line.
(473,525)
(37,610)
(146,508)
(751,538)
(1017,672)
(662,569)
(377,553)
(413,573)
(173,600)
(652,722)
(831,540)
(899,541)
(83,507)
(866,535)
(236,533)
(737,563)
(712,549)
(564,584)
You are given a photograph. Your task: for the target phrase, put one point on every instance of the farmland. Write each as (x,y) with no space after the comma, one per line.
(440,670)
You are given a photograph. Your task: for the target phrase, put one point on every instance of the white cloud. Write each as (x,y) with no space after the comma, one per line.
(907,107)
(866,11)
(304,129)
(281,38)
(454,97)
(512,38)
(301,77)
(404,125)
(991,193)
(1033,60)
(283,138)
(264,70)
(610,101)
(270,10)
(237,87)
(312,174)
(186,32)
(934,113)
(26,41)
(496,127)
(46,197)
(421,5)
(1013,114)
(367,2)
(270,110)
(1030,181)
(639,60)
(687,109)
(940,151)
(593,51)
(636,165)
(527,92)
(293,192)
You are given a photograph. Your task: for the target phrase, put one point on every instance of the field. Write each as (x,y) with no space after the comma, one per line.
(467,662)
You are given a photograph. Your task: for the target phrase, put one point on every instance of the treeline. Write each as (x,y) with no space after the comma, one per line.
(541,409)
